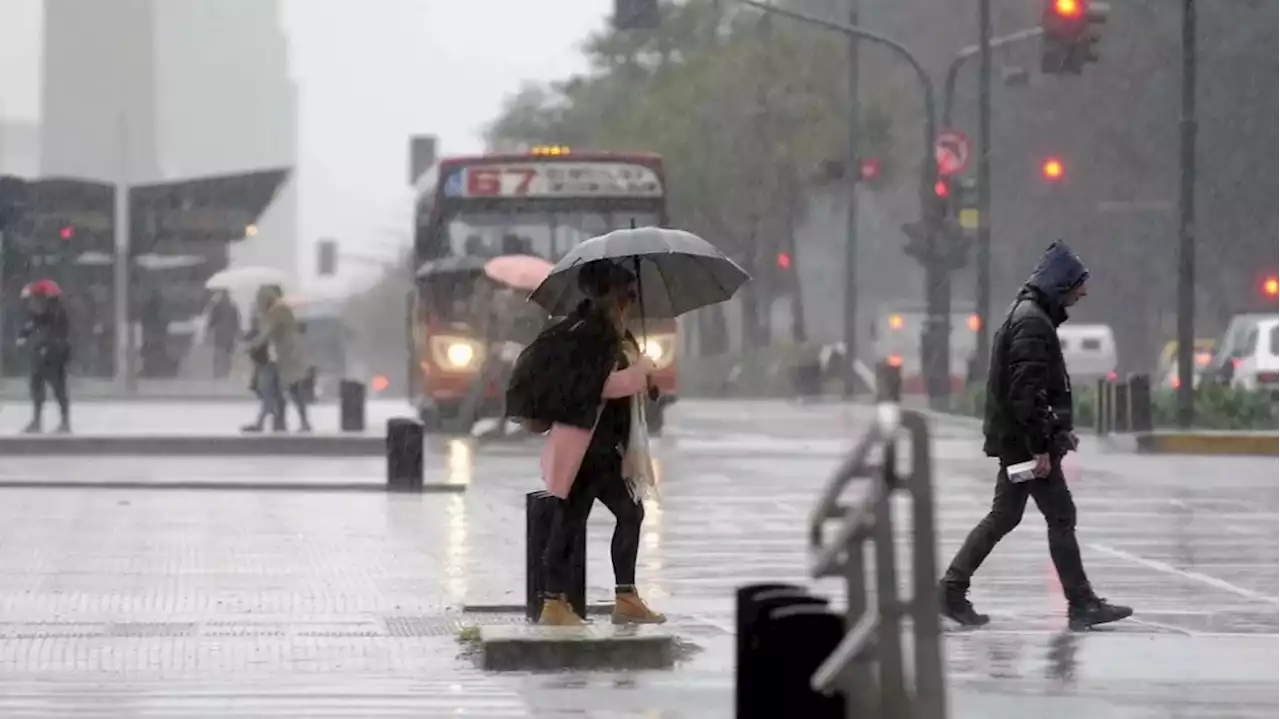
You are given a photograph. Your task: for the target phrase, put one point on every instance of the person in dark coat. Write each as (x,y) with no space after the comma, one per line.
(566,383)
(1029,417)
(47,335)
(224,330)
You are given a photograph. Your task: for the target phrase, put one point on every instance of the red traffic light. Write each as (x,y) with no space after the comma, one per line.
(784,260)
(1271,287)
(868,169)
(941,188)
(1070,9)
(67,232)
(1052,169)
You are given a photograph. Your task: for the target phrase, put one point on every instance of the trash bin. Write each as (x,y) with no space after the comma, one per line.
(540,509)
(756,695)
(795,640)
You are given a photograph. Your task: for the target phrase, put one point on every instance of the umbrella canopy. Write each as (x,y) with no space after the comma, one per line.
(678,271)
(456,265)
(238,278)
(522,272)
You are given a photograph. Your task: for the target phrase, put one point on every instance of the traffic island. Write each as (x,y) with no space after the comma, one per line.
(593,646)
(1258,444)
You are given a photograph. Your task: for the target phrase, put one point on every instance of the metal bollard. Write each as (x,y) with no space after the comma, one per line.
(801,637)
(1120,407)
(351,396)
(539,513)
(1140,403)
(404,455)
(759,662)
(744,616)
(1102,408)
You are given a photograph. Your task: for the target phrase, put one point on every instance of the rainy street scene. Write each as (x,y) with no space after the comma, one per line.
(639,359)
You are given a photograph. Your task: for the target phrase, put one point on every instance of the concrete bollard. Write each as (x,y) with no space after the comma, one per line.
(1140,419)
(801,637)
(351,401)
(760,660)
(539,512)
(404,455)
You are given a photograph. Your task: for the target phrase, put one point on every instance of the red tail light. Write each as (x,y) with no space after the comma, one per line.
(1268,378)
(379,383)
(895,360)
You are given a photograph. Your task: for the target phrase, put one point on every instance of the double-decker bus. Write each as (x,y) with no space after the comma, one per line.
(541,203)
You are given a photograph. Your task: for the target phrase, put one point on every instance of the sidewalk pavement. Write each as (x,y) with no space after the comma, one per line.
(236,604)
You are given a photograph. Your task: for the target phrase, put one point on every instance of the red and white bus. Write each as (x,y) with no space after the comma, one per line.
(540,203)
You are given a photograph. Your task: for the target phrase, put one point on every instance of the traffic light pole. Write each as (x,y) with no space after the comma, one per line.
(982,251)
(851,216)
(1186,219)
(937,270)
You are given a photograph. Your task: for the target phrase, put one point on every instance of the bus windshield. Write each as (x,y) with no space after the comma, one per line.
(549,235)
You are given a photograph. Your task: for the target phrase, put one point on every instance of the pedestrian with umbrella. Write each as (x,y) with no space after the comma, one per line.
(584,381)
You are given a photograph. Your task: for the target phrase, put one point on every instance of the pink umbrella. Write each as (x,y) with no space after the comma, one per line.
(523,272)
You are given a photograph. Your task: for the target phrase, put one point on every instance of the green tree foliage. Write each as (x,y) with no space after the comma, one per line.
(743,108)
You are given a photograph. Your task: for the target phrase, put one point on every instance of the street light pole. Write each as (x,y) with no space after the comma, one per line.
(851,173)
(1186,219)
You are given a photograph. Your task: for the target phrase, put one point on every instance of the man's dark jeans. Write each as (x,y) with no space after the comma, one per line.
(1053,498)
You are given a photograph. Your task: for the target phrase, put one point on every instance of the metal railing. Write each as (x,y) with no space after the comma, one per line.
(867,667)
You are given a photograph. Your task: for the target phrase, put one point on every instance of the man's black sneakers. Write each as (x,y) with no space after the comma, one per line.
(1094,611)
(956,606)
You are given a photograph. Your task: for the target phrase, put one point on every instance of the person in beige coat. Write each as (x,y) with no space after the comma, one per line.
(280,333)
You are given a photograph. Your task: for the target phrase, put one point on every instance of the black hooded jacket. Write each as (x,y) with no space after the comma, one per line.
(47,334)
(1029,406)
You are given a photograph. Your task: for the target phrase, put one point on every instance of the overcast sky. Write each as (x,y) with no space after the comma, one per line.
(372,72)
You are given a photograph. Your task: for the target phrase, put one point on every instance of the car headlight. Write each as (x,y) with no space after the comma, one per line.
(456,353)
(660,349)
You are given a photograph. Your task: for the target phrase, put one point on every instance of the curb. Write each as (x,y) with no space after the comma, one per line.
(193,446)
(1212,443)
(379,487)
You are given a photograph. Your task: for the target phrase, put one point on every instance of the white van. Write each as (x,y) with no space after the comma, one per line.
(1258,360)
(1089,351)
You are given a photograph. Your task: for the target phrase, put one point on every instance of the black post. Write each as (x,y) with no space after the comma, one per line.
(1186,220)
(1101,408)
(1140,403)
(404,455)
(982,295)
(1120,406)
(798,637)
(351,401)
(540,511)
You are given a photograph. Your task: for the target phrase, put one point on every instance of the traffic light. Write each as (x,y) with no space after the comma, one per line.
(1271,287)
(784,260)
(67,232)
(1052,169)
(636,14)
(1071,32)
(868,169)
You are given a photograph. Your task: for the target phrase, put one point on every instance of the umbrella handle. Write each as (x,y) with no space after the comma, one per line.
(640,298)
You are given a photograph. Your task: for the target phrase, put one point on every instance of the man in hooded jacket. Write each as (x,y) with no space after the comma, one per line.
(1029,418)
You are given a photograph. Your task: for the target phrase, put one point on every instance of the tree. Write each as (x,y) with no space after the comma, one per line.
(743,112)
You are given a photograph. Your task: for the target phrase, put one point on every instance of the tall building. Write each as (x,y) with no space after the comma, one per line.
(171,90)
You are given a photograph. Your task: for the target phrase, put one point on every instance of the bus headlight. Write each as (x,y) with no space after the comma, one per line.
(660,349)
(455,353)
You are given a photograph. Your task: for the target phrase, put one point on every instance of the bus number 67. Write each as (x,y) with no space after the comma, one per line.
(487,181)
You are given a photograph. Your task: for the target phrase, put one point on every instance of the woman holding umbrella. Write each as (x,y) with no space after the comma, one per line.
(584,380)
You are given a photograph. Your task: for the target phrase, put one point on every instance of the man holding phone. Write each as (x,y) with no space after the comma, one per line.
(1029,419)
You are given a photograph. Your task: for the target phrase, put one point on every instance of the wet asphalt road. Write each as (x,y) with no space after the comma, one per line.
(180,603)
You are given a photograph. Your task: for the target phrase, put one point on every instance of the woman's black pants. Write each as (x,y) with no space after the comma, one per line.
(599,478)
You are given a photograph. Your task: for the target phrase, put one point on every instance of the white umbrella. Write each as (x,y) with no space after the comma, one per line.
(240,278)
